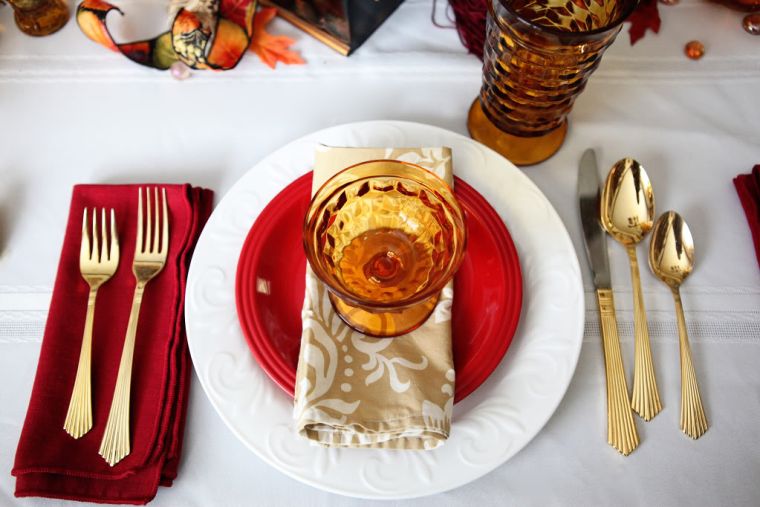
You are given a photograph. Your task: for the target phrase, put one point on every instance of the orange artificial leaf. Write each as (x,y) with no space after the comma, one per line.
(263,17)
(272,48)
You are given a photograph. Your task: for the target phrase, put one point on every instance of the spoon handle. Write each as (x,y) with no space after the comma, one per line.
(693,420)
(621,429)
(646,398)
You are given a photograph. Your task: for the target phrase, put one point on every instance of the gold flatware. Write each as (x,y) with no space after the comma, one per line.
(150,258)
(671,258)
(627,214)
(97,263)
(621,428)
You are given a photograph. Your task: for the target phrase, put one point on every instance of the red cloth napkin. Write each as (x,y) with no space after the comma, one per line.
(50,463)
(748,188)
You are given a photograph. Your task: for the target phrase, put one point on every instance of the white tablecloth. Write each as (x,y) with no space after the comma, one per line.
(72,112)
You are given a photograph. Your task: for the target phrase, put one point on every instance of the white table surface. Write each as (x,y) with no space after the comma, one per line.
(71,112)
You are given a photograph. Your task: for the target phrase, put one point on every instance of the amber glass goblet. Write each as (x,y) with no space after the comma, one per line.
(40,17)
(537,58)
(385,237)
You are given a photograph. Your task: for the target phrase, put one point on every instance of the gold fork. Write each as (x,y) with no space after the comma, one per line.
(97,263)
(150,257)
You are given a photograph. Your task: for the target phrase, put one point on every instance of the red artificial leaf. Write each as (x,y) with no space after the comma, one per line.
(271,48)
(239,12)
(646,16)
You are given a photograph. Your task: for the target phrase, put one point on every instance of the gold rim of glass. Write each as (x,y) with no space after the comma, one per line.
(390,169)
(624,13)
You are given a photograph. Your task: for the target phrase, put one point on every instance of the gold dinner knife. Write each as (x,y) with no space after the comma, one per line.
(621,429)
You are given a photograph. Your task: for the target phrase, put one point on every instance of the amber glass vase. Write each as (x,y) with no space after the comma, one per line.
(537,58)
(385,237)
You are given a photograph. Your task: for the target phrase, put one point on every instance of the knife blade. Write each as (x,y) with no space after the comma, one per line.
(595,238)
(621,429)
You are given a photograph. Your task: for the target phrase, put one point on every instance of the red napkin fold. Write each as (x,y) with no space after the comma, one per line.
(50,463)
(748,188)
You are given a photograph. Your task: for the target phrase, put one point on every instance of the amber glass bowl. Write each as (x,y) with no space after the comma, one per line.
(537,57)
(385,237)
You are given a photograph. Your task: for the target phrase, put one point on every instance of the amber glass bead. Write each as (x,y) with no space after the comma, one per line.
(694,50)
(751,23)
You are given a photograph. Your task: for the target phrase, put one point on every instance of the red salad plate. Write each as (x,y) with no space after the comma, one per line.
(271,274)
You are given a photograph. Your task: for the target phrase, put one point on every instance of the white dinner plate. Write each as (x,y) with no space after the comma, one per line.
(489,426)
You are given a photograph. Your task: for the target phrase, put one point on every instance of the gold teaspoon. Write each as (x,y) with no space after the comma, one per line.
(671,258)
(627,214)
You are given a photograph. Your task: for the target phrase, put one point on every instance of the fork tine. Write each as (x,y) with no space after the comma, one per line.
(148,223)
(165,236)
(113,253)
(95,243)
(155,235)
(138,243)
(84,249)
(104,254)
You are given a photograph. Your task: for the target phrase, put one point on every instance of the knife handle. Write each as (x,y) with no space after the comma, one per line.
(621,429)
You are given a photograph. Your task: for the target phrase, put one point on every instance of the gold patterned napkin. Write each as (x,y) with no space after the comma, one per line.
(356,391)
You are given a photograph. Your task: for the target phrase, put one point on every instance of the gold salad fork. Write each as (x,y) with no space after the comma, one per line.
(150,257)
(97,263)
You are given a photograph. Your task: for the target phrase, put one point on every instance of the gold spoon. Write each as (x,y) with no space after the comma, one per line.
(671,257)
(627,213)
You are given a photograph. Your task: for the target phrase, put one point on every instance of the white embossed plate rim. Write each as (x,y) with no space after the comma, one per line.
(490,426)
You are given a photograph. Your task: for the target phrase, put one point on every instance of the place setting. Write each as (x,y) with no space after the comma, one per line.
(624,209)
(107,412)
(452,359)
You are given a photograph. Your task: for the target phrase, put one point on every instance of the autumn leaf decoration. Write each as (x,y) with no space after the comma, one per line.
(272,48)
(218,43)
(646,16)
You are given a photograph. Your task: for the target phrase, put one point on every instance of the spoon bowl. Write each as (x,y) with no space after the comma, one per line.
(627,207)
(671,252)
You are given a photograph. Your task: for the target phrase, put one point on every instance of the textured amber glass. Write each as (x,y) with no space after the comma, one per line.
(385,237)
(538,56)
(40,17)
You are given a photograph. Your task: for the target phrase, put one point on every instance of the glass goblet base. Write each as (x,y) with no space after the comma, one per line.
(44,18)
(517,149)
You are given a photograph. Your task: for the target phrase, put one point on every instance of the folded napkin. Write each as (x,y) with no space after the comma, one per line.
(748,188)
(50,463)
(356,391)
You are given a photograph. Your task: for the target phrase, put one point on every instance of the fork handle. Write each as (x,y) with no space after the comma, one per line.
(645,399)
(115,444)
(79,415)
(693,419)
(621,429)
